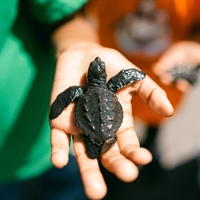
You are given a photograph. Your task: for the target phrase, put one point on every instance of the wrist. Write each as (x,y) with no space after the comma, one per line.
(79,31)
(76,47)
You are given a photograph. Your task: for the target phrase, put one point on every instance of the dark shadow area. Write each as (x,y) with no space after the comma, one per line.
(179,183)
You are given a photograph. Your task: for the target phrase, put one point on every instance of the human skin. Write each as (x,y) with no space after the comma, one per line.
(77,45)
(180,53)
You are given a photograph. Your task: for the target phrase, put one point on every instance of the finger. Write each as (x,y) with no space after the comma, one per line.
(183,85)
(119,165)
(129,147)
(147,89)
(154,96)
(127,138)
(93,181)
(59,148)
(161,70)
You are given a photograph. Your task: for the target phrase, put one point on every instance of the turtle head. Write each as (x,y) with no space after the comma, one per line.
(97,72)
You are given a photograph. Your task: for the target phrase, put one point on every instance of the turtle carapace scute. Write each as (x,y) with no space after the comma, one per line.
(98,112)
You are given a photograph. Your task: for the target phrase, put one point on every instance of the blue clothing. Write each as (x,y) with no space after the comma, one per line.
(55,184)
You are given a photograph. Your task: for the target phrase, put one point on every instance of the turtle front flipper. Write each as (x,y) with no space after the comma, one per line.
(64,99)
(125,77)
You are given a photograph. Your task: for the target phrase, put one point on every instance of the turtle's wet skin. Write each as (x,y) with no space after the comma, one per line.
(98,112)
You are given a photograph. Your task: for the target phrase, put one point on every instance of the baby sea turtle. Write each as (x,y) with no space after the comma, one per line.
(185,72)
(98,112)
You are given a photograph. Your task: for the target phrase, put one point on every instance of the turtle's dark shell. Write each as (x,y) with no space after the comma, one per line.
(99,114)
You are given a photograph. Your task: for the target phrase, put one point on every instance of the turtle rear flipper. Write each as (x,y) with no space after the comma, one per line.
(93,149)
(124,78)
(108,144)
(64,99)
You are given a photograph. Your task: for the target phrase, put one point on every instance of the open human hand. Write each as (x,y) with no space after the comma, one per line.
(126,154)
(184,53)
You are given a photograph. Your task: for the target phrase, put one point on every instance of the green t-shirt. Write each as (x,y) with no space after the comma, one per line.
(26,74)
